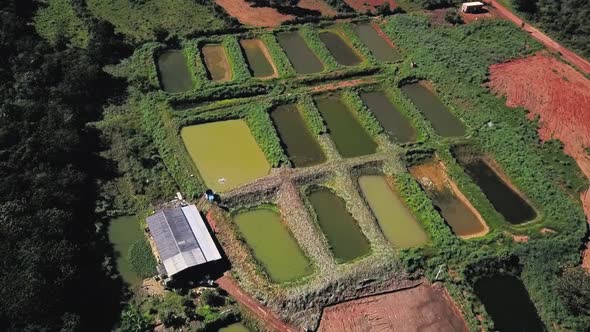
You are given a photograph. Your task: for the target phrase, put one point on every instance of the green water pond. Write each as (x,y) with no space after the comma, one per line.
(174,73)
(300,55)
(340,50)
(235,327)
(256,56)
(344,235)
(442,120)
(272,244)
(225,153)
(351,139)
(381,49)
(396,126)
(301,147)
(395,220)
(123,232)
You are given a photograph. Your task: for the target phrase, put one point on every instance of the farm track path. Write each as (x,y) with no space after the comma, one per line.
(264,313)
(573,58)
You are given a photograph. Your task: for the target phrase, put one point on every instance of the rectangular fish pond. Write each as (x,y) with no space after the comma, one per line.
(225,153)
(381,47)
(258,58)
(397,223)
(272,244)
(504,197)
(397,126)
(339,48)
(216,62)
(351,139)
(344,235)
(442,120)
(453,206)
(507,301)
(301,56)
(173,71)
(301,147)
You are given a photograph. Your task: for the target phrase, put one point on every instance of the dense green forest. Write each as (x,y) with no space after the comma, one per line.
(54,276)
(566,20)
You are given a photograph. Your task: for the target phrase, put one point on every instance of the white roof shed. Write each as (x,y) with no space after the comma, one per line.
(182,238)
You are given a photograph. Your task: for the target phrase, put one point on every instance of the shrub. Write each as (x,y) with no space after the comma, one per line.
(573,287)
(453,17)
(141,259)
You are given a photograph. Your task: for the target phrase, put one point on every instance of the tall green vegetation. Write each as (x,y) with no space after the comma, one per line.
(53,272)
(59,19)
(149,20)
(141,259)
(567,20)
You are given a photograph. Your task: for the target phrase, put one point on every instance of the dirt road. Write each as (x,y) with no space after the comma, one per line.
(568,55)
(232,288)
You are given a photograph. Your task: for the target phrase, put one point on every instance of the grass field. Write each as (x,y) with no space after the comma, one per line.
(58,17)
(141,22)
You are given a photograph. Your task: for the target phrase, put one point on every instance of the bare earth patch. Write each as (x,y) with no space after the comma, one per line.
(421,308)
(362,6)
(318,5)
(254,16)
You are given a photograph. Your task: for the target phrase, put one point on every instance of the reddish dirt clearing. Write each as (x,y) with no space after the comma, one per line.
(422,308)
(254,16)
(554,91)
(362,6)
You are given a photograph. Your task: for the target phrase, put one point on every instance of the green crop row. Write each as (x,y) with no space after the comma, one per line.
(311,114)
(239,67)
(165,133)
(357,44)
(361,112)
(312,38)
(280,59)
(266,135)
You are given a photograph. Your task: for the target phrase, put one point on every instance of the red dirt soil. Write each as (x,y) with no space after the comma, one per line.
(422,308)
(254,16)
(263,313)
(558,94)
(318,5)
(361,6)
(573,58)
(340,85)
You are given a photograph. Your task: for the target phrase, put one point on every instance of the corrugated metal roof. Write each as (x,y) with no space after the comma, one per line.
(182,238)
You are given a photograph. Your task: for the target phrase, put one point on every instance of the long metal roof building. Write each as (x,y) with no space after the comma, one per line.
(182,238)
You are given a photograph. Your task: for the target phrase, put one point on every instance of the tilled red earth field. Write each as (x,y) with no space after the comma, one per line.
(422,308)
(361,6)
(254,16)
(554,91)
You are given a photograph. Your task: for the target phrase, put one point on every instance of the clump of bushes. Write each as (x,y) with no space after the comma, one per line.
(453,17)
(141,259)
